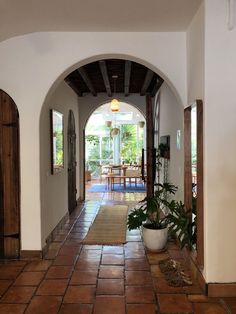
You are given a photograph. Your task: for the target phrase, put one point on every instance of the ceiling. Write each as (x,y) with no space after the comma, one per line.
(28,16)
(114,76)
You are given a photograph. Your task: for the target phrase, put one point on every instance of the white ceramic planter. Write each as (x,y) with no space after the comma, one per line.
(155,240)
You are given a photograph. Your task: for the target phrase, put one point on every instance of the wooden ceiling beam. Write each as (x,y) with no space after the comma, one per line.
(103,68)
(87,80)
(146,82)
(74,87)
(127,77)
(157,86)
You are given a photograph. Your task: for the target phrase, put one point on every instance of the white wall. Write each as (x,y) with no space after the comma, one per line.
(33,65)
(220,143)
(171,120)
(54,188)
(195,57)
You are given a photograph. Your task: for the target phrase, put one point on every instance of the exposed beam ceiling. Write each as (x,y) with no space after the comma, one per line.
(127,76)
(98,77)
(103,68)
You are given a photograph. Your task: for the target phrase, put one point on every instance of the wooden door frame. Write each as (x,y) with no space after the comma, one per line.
(188,175)
(16,209)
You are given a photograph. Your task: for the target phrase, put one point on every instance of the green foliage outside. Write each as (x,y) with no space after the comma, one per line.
(59,147)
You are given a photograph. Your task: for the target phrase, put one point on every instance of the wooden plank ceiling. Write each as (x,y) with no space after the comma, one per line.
(98,77)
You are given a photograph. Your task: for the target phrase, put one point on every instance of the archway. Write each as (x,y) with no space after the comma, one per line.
(114,139)
(9,178)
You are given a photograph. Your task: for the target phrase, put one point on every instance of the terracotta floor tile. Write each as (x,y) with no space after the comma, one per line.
(111,272)
(12,308)
(80,294)
(138,278)
(41,265)
(129,253)
(112,249)
(112,259)
(154,259)
(110,286)
(52,287)
(174,303)
(9,272)
(231,303)
(92,247)
(44,304)
(66,260)
(73,250)
(76,309)
(4,285)
(85,265)
(84,278)
(139,294)
(198,298)
(208,308)
(175,254)
(141,309)
(59,272)
(18,295)
(109,304)
(136,264)
(194,289)
(161,286)
(156,272)
(29,278)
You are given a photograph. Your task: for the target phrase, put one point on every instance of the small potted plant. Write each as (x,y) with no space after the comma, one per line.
(150,216)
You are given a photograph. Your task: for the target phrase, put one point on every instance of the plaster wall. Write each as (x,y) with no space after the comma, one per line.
(171,120)
(195,57)
(220,144)
(54,187)
(33,65)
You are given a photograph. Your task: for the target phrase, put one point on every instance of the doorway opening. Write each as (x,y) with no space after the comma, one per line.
(113,149)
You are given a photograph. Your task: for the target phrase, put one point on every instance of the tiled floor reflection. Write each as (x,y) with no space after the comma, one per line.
(99,279)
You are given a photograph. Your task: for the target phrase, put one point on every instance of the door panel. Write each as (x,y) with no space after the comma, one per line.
(71,138)
(9,156)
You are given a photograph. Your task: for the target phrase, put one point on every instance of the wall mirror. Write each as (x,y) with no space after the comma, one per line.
(57,141)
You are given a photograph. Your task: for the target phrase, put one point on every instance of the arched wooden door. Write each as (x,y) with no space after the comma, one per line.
(9,178)
(71,142)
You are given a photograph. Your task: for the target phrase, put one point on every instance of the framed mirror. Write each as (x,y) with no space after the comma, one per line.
(57,141)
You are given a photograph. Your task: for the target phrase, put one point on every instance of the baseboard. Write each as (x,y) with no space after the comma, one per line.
(222,289)
(197,272)
(54,233)
(31,254)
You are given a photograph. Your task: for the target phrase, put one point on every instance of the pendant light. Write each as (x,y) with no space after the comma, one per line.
(115,105)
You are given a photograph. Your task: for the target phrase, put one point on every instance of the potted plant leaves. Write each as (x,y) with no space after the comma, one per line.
(150,216)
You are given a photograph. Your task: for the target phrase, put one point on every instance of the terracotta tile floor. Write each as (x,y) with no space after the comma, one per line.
(99,279)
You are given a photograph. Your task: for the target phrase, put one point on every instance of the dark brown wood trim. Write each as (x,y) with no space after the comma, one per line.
(187,159)
(222,289)
(200,209)
(157,86)
(150,145)
(127,77)
(87,80)
(31,254)
(146,82)
(73,86)
(103,69)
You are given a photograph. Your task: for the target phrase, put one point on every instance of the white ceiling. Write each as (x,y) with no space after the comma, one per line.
(19,17)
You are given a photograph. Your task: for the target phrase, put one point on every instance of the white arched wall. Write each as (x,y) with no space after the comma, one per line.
(33,65)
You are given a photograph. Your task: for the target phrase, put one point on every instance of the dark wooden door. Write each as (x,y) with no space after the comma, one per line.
(71,139)
(9,178)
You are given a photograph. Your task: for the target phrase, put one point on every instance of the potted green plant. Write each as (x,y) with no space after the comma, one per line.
(149,215)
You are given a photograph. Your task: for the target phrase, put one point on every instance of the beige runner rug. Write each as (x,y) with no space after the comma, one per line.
(109,226)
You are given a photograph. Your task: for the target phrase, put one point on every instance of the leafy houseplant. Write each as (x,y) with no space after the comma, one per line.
(150,214)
